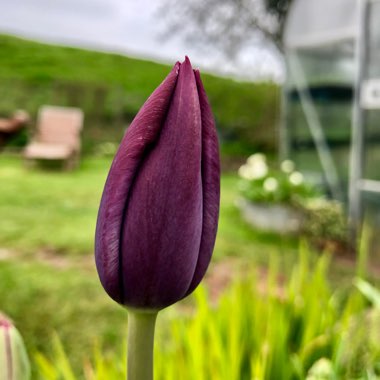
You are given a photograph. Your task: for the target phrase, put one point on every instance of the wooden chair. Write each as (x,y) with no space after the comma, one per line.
(57,136)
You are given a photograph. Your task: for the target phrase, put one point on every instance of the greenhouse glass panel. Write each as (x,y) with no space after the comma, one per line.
(327,78)
(320,22)
(372,115)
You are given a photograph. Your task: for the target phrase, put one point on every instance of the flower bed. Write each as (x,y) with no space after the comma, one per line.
(271,197)
(280,200)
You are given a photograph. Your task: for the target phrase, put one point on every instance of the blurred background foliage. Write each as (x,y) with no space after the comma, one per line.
(213,23)
(300,327)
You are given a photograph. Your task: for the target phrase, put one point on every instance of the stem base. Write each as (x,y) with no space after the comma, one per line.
(141,325)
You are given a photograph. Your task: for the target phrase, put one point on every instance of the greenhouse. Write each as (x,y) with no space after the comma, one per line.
(331,107)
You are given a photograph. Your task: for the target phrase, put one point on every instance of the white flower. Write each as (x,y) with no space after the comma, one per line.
(256,158)
(270,184)
(287,166)
(258,166)
(253,171)
(245,172)
(259,169)
(296,178)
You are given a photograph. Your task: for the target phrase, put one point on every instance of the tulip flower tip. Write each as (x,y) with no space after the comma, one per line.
(4,321)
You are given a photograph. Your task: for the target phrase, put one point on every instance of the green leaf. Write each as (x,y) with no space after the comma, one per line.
(368,291)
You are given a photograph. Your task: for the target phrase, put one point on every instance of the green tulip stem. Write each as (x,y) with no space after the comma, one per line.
(141,326)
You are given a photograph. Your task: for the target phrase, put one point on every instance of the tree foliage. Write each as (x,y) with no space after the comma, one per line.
(228,24)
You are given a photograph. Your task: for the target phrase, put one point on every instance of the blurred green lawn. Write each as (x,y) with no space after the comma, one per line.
(56,212)
(49,209)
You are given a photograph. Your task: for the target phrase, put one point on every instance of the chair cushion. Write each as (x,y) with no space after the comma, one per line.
(38,150)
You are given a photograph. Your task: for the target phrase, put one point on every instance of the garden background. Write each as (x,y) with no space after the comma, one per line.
(271,306)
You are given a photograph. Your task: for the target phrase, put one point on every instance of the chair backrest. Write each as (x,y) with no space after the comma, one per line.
(59,125)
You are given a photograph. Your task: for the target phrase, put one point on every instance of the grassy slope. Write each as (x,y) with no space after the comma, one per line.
(241,108)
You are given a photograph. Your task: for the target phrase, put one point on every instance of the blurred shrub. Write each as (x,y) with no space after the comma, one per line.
(299,328)
(325,220)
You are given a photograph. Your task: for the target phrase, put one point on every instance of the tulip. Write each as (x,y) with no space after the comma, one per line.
(14,364)
(158,215)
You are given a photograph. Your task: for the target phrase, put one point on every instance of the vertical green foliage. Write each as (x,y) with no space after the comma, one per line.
(61,367)
(264,327)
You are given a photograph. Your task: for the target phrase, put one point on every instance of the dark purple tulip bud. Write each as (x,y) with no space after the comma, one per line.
(158,215)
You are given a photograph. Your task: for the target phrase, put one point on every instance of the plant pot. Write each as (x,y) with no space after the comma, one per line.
(278,218)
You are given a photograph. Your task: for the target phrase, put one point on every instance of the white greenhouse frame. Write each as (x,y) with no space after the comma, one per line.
(358,34)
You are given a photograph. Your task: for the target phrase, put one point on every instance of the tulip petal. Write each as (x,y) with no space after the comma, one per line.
(163,220)
(136,144)
(210,185)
